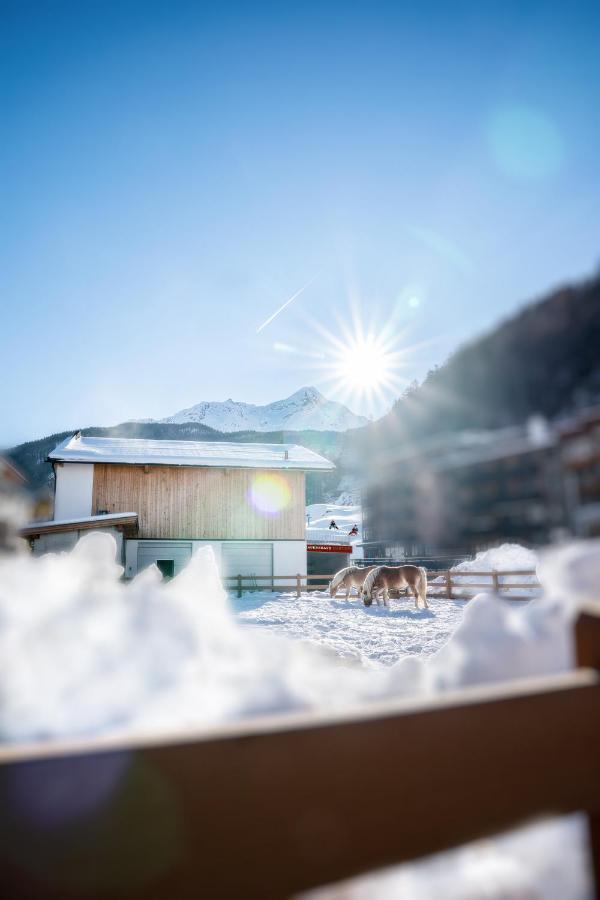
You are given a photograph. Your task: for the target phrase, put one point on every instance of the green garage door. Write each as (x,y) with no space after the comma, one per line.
(247,559)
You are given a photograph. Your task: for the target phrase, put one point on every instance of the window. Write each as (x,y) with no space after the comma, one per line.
(166,567)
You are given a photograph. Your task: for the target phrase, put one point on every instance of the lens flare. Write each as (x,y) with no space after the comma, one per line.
(270,494)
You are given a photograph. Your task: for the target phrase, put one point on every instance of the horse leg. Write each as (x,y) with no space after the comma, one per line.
(348,589)
(416,593)
(386,597)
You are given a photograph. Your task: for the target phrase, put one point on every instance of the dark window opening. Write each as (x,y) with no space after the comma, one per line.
(166,567)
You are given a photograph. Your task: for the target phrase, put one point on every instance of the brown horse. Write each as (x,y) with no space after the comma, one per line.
(348,578)
(395,578)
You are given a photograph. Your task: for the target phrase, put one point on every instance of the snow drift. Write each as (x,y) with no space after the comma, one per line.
(83,653)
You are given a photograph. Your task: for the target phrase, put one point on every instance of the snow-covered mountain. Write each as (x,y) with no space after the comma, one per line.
(305,409)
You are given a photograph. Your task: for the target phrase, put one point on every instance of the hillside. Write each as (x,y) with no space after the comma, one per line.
(545,359)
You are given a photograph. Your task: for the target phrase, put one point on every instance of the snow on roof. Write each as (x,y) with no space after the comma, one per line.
(135,451)
(84,522)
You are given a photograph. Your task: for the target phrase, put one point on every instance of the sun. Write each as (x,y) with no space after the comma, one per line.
(363,366)
(366,364)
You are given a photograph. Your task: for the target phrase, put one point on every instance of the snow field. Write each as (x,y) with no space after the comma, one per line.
(374,636)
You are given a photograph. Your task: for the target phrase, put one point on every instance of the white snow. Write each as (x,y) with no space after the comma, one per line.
(505,558)
(305,409)
(137,451)
(82,652)
(84,520)
(319,515)
(373,636)
(547,861)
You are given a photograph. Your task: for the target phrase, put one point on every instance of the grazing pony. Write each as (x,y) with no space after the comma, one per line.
(395,578)
(351,577)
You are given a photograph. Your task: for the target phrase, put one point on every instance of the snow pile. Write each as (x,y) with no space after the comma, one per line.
(506,558)
(83,653)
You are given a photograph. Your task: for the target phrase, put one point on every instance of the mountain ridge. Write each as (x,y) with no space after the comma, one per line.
(305,409)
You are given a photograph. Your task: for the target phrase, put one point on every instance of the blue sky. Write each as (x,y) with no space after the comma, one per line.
(171,173)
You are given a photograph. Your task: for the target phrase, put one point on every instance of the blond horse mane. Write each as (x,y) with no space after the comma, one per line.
(339,576)
(370,580)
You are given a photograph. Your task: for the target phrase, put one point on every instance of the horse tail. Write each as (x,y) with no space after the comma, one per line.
(370,580)
(423,584)
(338,578)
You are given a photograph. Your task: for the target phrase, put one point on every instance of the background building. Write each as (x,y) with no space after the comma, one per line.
(246,500)
(456,494)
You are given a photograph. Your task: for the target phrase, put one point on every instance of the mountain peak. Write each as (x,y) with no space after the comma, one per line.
(308,393)
(306,408)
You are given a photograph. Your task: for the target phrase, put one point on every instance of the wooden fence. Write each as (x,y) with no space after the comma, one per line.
(451,586)
(266,809)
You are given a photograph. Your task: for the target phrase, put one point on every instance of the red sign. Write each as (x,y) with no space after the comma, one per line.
(329,548)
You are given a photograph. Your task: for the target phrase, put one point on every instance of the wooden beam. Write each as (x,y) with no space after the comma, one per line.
(275,807)
(587,642)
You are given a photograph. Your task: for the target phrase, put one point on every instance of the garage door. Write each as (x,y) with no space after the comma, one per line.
(170,556)
(247,559)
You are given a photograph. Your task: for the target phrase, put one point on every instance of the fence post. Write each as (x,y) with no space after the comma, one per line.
(587,642)
(496,582)
(448,577)
(298,585)
(239,585)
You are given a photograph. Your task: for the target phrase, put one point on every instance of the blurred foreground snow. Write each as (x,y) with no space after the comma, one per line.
(84,653)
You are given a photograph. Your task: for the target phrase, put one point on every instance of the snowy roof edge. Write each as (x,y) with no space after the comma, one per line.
(218,454)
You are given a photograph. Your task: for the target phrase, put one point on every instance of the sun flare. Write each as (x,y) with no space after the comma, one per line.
(366,364)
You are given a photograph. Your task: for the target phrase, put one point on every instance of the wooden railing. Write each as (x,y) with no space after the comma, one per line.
(453,586)
(266,809)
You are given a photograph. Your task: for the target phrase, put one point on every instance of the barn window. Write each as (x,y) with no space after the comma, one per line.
(167,567)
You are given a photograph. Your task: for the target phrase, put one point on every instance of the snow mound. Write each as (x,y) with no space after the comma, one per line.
(84,653)
(506,557)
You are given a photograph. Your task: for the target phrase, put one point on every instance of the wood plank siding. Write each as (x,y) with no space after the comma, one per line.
(175,502)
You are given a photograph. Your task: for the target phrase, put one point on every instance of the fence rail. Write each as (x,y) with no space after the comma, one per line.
(452,586)
(300,801)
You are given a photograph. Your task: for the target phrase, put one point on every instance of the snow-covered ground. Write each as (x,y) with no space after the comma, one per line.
(319,516)
(374,636)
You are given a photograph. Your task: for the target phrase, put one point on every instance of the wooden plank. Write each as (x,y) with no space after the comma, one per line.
(275,808)
(188,503)
(587,642)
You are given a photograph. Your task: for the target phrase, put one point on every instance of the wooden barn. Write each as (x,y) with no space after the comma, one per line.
(246,500)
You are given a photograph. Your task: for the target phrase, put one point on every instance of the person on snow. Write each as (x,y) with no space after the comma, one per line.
(332,524)
(354,530)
